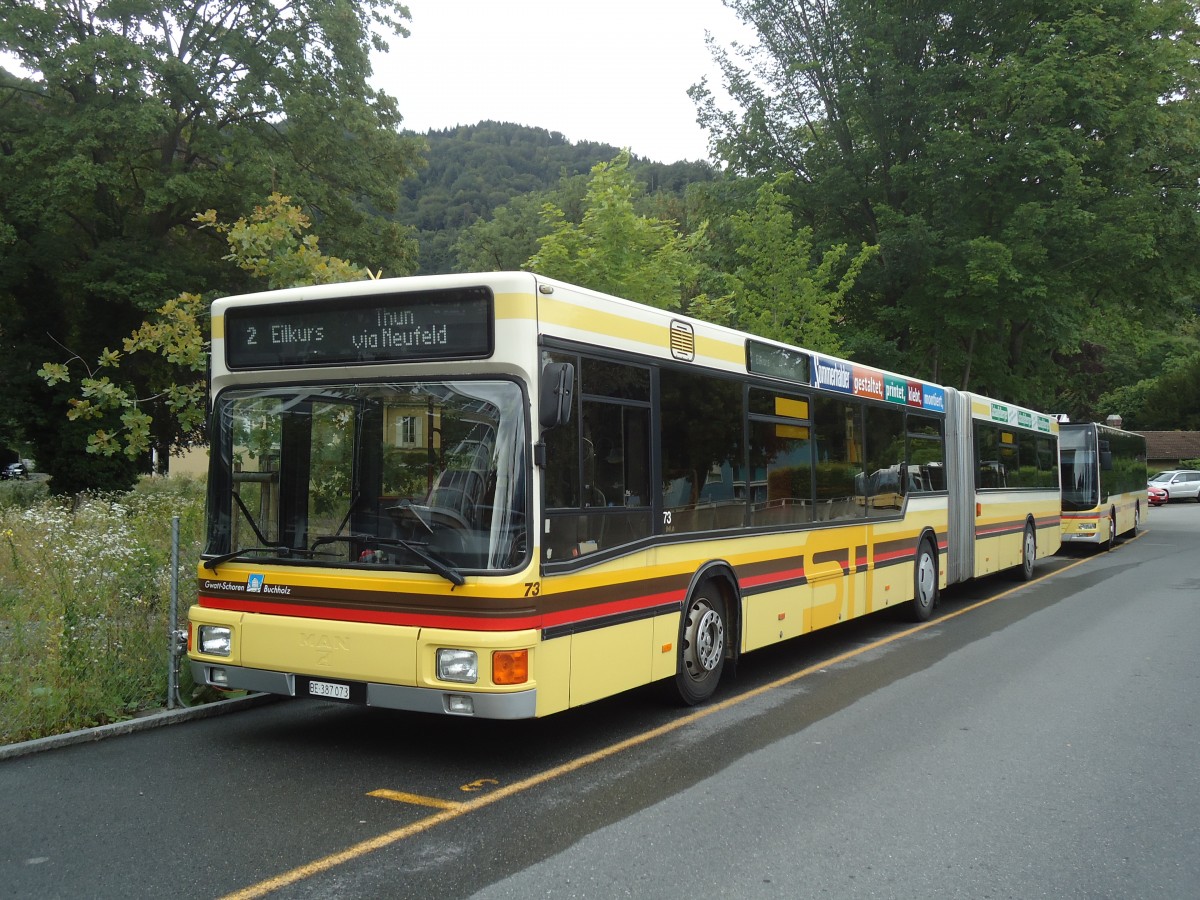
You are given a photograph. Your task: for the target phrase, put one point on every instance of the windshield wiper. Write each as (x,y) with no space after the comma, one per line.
(233,554)
(418,513)
(437,566)
(448,572)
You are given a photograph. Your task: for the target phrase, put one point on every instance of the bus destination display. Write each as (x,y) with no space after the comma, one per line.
(406,327)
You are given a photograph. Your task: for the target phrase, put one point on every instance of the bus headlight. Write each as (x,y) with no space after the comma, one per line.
(458,665)
(216,640)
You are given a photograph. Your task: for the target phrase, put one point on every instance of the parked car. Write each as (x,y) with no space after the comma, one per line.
(14,470)
(1180,484)
(1155,495)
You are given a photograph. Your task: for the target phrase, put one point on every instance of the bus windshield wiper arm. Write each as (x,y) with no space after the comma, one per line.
(436,565)
(233,554)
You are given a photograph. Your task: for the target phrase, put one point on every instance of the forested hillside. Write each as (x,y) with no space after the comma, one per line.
(473,169)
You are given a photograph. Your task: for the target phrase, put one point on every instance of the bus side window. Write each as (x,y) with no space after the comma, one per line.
(704,485)
(926,454)
(839,469)
(597,475)
(988,468)
(885,458)
(1027,471)
(561,473)
(1047,464)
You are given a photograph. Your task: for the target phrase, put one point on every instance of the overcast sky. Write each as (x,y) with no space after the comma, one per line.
(614,71)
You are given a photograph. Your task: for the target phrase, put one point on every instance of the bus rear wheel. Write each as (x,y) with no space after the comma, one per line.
(703,638)
(925,584)
(1028,554)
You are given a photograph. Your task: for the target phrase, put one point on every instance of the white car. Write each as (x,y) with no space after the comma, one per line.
(1180,484)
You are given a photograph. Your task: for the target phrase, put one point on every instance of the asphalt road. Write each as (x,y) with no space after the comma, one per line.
(1030,741)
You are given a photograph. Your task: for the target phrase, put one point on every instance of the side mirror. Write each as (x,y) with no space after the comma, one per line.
(557,394)
(1105,461)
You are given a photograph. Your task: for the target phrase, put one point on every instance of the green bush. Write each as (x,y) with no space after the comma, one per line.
(18,493)
(85,588)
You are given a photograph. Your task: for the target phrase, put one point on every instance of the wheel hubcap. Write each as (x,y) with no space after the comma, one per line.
(706,638)
(926,579)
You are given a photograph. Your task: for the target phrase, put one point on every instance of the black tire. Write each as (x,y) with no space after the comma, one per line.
(1137,520)
(1112,530)
(925,583)
(703,642)
(1028,554)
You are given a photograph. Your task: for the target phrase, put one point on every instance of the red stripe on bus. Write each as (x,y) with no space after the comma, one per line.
(633,604)
(372,616)
(894,556)
(433,620)
(772,577)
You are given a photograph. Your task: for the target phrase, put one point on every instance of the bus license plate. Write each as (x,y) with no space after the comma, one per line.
(328,689)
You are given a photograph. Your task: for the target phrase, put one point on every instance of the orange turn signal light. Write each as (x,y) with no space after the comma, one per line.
(510,666)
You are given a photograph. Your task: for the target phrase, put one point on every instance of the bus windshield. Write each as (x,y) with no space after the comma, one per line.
(426,476)
(1080,471)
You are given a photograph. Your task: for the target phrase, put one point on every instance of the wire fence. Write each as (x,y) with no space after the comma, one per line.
(85,604)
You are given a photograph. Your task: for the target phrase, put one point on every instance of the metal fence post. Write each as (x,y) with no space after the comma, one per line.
(173,632)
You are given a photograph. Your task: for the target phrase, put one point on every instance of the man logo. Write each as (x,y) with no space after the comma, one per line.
(325,646)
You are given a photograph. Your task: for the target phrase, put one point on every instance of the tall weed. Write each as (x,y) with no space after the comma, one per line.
(84,600)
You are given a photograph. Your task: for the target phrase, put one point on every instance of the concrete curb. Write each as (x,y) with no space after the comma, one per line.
(142,723)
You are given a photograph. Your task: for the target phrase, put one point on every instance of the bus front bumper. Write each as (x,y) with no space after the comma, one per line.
(1085,532)
(517,705)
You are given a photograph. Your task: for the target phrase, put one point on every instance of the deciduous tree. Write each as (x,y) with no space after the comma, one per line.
(779,290)
(271,244)
(616,250)
(128,117)
(1020,165)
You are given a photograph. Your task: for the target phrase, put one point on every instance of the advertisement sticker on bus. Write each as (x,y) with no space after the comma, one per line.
(833,375)
(868,383)
(895,390)
(836,375)
(933,398)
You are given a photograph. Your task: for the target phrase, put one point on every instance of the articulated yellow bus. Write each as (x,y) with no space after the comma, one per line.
(1103,482)
(503,496)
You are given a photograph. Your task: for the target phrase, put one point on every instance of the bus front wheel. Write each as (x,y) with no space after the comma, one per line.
(703,639)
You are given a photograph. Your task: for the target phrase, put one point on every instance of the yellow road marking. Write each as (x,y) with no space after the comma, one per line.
(477,785)
(454,811)
(415,799)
